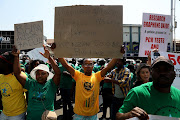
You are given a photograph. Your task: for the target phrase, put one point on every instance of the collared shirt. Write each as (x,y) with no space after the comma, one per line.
(124,79)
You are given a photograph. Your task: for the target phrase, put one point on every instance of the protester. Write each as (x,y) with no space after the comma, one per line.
(121,78)
(42,89)
(79,64)
(87,88)
(131,67)
(66,89)
(107,94)
(23,61)
(143,74)
(156,98)
(13,100)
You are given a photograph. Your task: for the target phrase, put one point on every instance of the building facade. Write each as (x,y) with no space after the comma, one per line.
(131,39)
(6,41)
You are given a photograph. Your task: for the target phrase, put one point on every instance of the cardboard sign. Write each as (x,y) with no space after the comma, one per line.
(155,33)
(34,54)
(88,31)
(157,117)
(28,35)
(175,58)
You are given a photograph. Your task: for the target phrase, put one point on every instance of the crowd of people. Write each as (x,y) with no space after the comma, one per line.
(29,89)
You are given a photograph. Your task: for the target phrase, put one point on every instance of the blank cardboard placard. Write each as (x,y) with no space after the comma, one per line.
(88,31)
(28,35)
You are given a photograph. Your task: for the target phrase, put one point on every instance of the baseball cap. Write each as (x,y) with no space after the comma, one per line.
(161,59)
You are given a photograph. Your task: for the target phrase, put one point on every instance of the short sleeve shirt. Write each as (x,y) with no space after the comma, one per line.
(87,93)
(153,101)
(41,97)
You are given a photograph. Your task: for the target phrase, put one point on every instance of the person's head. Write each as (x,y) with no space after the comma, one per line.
(120,63)
(101,62)
(35,63)
(80,62)
(73,61)
(131,68)
(24,58)
(143,72)
(41,73)
(6,63)
(163,73)
(87,66)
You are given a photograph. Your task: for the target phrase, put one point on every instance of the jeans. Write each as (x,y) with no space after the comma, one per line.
(18,117)
(66,96)
(80,117)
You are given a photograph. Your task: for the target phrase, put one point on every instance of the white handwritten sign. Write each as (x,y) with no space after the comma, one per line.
(88,31)
(28,35)
(157,117)
(175,58)
(34,54)
(155,33)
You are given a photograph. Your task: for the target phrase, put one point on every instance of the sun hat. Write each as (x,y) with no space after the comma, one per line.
(161,59)
(41,67)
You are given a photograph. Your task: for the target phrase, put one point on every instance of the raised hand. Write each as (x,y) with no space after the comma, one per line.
(122,49)
(15,52)
(46,53)
(53,46)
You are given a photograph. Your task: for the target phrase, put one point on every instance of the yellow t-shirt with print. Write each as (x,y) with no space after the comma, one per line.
(87,93)
(13,99)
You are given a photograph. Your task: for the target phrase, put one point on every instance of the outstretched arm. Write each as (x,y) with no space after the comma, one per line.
(57,72)
(70,69)
(111,64)
(16,67)
(108,67)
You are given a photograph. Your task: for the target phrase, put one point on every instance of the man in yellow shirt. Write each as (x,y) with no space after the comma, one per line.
(13,100)
(87,88)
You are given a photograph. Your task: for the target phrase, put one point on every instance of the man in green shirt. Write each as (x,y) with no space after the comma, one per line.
(156,98)
(66,89)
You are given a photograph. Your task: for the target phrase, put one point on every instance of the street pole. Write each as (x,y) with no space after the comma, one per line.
(171,41)
(175,25)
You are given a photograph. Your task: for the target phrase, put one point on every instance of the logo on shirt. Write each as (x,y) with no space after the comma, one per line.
(88,86)
(38,96)
(170,111)
(89,102)
(6,89)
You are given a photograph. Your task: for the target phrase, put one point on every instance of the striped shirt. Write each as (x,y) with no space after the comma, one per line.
(124,79)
